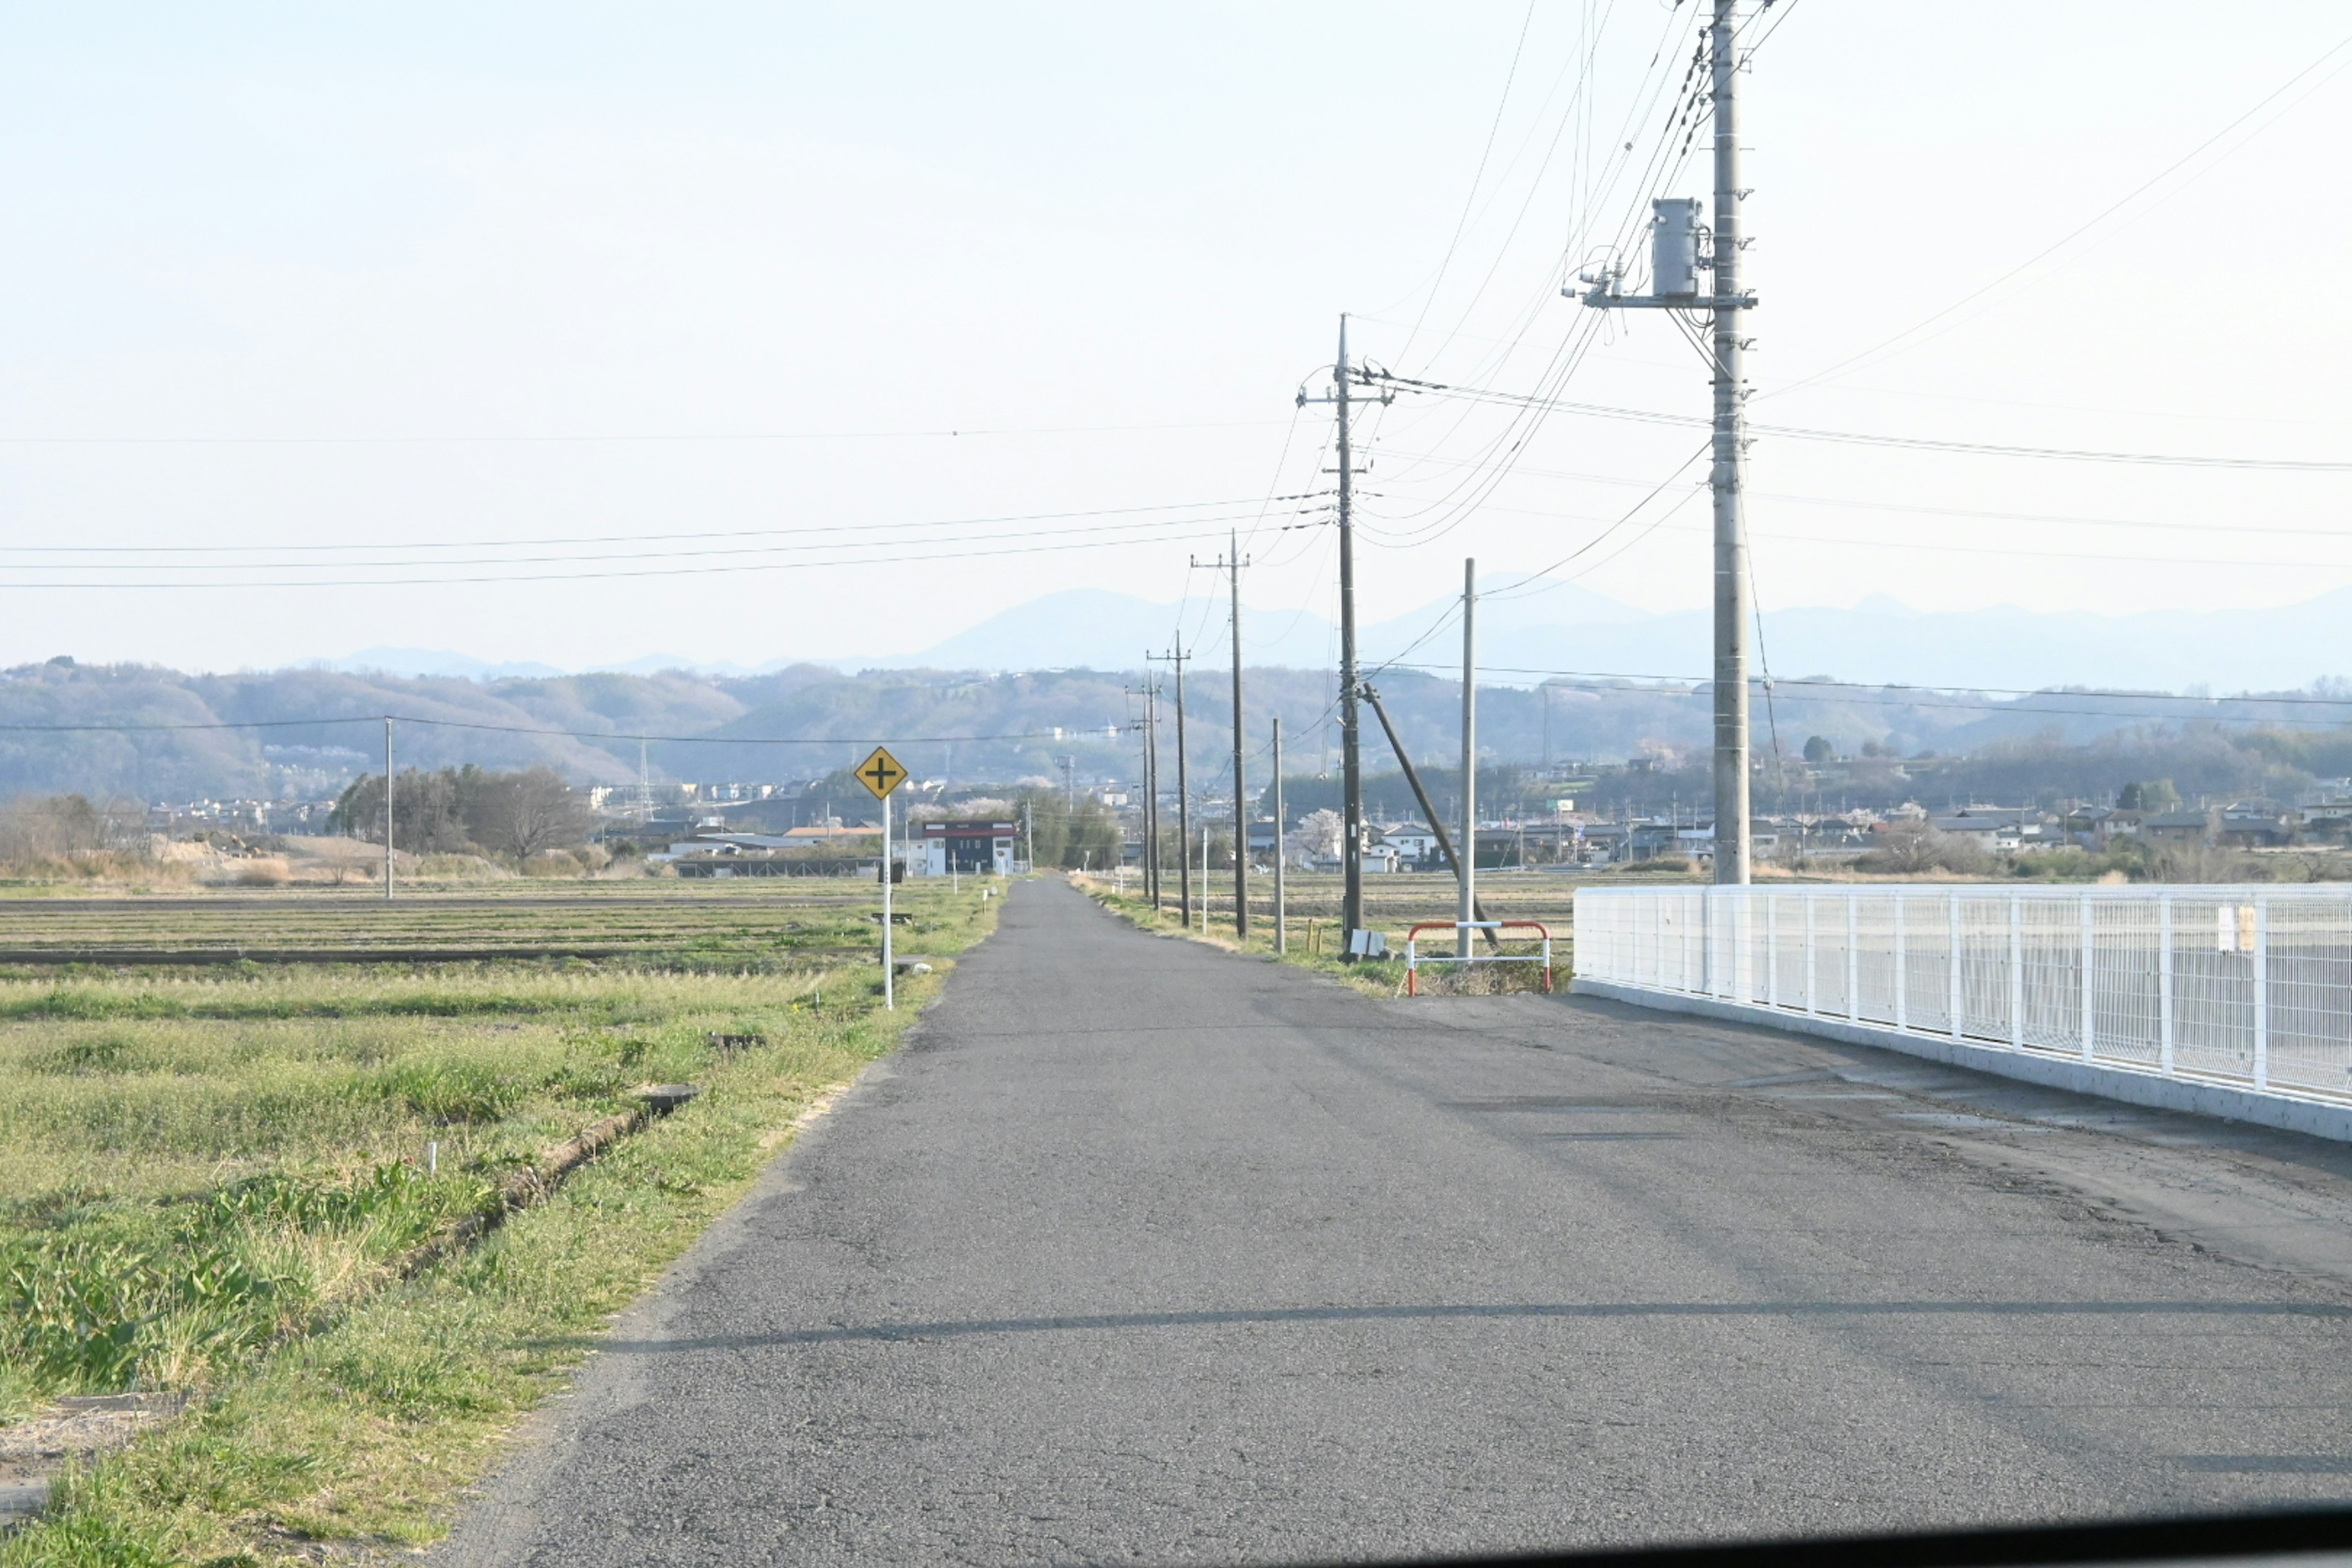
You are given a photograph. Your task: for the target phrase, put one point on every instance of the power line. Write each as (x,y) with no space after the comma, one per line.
(678,439)
(649,538)
(666,572)
(2072,234)
(1851,504)
(1064,733)
(574,557)
(1896,695)
(1855,437)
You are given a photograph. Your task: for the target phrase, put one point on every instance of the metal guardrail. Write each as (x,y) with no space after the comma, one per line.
(1414,959)
(2250,986)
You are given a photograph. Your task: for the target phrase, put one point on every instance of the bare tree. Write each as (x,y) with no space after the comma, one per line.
(527,814)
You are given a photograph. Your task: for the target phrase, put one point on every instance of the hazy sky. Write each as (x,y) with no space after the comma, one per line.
(429,286)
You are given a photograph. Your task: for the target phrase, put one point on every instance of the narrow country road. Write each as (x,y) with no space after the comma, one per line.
(1143,1252)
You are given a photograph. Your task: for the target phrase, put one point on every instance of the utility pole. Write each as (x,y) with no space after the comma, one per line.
(1351,774)
(1675,260)
(1177,656)
(1465,899)
(387,805)
(1151,789)
(1281,932)
(1151,783)
(1232,565)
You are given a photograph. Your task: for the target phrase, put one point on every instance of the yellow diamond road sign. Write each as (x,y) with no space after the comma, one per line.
(881,773)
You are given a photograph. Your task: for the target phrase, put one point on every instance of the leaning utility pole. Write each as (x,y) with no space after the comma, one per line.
(1675,261)
(1232,565)
(1351,774)
(1466,891)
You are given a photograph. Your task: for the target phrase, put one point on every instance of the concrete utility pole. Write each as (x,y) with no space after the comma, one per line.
(1151,783)
(1281,932)
(1151,789)
(387,805)
(1177,656)
(1466,891)
(1351,773)
(1232,565)
(1675,261)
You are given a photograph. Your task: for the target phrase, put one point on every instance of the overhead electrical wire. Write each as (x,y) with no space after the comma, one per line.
(622,438)
(1857,437)
(1127,531)
(1063,733)
(649,538)
(647,571)
(1942,696)
(1898,341)
(1851,504)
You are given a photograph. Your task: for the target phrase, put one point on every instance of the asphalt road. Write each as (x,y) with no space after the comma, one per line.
(1145,1252)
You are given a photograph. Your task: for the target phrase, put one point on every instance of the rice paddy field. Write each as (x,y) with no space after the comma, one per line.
(276,1188)
(780,920)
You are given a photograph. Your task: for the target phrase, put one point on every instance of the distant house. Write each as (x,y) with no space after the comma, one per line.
(940,848)
(2190,824)
(1995,828)
(2096,826)
(2257,825)
(1412,841)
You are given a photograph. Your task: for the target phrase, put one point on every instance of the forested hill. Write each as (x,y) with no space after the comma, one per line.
(151,733)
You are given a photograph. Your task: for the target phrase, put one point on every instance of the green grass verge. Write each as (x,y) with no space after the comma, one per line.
(1374,977)
(251,1257)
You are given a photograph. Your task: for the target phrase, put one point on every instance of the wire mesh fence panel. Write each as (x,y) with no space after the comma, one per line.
(2213,983)
(1874,962)
(2050,954)
(1829,965)
(2125,980)
(2308,955)
(2248,985)
(1784,938)
(1927,947)
(1985,968)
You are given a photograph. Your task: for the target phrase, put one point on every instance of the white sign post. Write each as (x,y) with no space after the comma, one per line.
(881,773)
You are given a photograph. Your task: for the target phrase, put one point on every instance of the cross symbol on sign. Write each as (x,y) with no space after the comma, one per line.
(881,773)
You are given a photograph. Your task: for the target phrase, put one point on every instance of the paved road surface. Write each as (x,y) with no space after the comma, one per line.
(1143,1252)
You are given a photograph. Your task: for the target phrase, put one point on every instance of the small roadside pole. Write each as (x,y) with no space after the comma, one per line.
(881,773)
(1281,935)
(387,805)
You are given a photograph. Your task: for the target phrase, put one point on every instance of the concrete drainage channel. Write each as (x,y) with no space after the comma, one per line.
(80,1428)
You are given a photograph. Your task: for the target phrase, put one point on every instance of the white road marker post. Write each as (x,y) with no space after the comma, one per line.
(880,774)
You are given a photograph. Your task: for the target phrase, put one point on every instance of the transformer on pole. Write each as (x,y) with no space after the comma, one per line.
(1679,251)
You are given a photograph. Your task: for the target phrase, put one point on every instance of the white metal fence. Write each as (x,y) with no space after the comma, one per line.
(2250,986)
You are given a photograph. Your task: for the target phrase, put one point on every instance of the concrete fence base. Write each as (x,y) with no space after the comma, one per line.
(2289,1112)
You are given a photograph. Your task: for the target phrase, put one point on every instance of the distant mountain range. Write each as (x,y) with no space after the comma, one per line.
(1526,633)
